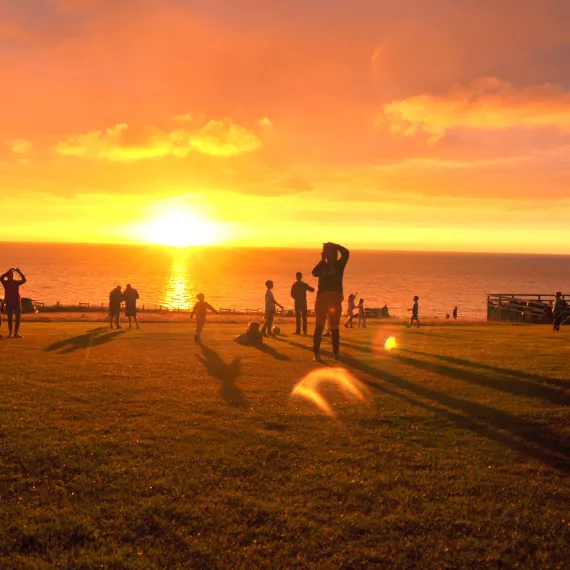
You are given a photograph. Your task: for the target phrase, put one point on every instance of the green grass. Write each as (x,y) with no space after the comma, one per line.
(140,449)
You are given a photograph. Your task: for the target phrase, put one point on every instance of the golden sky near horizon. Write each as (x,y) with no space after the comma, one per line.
(420,124)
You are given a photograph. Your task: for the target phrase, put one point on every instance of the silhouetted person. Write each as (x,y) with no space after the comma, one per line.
(415,313)
(12,300)
(558,311)
(385,311)
(330,272)
(252,337)
(455,312)
(200,309)
(270,304)
(361,314)
(130,297)
(115,300)
(350,309)
(299,293)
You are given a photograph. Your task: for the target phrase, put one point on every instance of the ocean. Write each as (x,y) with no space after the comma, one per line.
(234,278)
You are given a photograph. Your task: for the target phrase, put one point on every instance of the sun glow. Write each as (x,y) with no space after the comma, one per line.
(179,228)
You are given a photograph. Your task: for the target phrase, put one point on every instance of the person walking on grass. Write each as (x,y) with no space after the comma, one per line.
(130,297)
(270,304)
(200,309)
(115,300)
(558,311)
(299,293)
(415,313)
(13,301)
(330,272)
(350,309)
(361,314)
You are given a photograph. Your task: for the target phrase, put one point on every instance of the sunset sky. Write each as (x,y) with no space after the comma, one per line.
(417,124)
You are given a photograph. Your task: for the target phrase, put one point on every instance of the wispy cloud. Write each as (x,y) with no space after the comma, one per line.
(19,146)
(122,143)
(483,104)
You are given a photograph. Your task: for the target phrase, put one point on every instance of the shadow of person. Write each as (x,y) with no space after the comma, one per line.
(517,387)
(227,374)
(272,352)
(508,371)
(534,438)
(92,338)
(525,436)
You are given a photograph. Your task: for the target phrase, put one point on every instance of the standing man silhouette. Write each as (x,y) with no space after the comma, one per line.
(330,272)
(299,293)
(130,297)
(13,301)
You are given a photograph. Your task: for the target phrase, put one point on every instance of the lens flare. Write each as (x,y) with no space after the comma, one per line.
(350,387)
(391,343)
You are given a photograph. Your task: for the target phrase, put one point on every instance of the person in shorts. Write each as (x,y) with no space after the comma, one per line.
(130,297)
(330,273)
(13,301)
(115,300)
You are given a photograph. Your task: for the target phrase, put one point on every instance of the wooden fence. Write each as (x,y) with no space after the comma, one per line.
(522,307)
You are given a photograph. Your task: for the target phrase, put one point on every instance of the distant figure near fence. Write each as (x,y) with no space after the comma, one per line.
(130,297)
(299,293)
(12,300)
(558,311)
(115,299)
(330,272)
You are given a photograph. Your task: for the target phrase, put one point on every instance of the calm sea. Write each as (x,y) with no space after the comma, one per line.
(234,278)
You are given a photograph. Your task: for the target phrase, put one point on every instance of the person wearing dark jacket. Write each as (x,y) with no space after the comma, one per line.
(558,311)
(299,293)
(330,272)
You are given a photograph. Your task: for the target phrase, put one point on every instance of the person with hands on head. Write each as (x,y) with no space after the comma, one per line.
(13,300)
(330,272)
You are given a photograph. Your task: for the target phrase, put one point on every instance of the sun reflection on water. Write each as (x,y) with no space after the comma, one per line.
(179,289)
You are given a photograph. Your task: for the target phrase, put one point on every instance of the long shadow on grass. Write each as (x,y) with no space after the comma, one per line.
(534,439)
(93,337)
(508,371)
(513,386)
(227,374)
(272,352)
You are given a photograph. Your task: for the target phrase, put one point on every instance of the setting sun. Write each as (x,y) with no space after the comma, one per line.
(179,229)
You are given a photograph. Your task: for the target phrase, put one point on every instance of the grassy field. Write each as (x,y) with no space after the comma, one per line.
(141,449)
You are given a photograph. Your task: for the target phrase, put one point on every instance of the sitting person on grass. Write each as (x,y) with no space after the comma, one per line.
(253,336)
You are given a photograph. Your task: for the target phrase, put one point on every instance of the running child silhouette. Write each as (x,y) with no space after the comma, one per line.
(200,309)
(415,313)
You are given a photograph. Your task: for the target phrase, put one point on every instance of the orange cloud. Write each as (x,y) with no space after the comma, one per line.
(19,146)
(483,104)
(122,143)
(224,138)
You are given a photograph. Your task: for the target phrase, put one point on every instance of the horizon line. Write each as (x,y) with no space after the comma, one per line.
(278,247)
